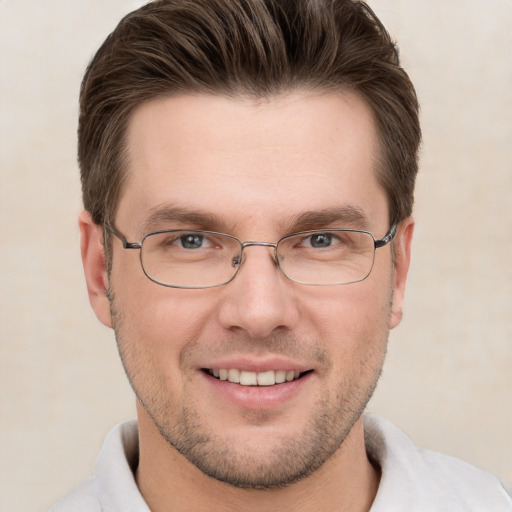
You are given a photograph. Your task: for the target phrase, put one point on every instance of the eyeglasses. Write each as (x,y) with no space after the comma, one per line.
(187,258)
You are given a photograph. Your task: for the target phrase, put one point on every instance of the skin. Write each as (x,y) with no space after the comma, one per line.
(254,168)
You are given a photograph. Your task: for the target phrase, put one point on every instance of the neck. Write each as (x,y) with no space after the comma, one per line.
(168,481)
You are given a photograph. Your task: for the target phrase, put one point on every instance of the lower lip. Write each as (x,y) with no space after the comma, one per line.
(257,397)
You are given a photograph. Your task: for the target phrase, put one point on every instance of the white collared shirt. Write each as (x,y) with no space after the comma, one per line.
(413,479)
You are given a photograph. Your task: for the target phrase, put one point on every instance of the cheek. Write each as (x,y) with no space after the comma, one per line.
(352,325)
(351,310)
(161,320)
(153,332)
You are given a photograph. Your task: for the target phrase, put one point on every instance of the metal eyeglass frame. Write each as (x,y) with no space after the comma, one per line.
(388,237)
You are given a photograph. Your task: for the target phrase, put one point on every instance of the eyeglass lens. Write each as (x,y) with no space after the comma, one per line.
(199,259)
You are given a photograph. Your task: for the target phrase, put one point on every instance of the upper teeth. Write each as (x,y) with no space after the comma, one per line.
(268,378)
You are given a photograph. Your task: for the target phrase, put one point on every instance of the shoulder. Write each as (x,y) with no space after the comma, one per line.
(416,479)
(81,499)
(113,485)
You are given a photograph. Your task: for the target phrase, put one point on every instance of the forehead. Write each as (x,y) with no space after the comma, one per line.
(247,161)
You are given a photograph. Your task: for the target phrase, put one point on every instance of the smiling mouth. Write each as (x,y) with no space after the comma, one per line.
(246,378)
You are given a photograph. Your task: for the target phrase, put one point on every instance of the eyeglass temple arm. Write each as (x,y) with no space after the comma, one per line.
(389,236)
(118,234)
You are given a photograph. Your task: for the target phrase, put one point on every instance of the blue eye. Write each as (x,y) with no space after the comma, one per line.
(319,240)
(191,241)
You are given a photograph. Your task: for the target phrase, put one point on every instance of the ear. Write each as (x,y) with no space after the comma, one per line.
(95,268)
(402,252)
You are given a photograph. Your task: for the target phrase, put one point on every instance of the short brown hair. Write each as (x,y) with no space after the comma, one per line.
(253,48)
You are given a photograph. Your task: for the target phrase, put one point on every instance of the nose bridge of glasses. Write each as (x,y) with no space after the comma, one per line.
(237,260)
(263,244)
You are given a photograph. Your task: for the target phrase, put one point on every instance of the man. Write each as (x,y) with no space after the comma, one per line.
(248,171)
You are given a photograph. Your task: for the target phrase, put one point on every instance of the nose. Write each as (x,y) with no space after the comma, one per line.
(260,300)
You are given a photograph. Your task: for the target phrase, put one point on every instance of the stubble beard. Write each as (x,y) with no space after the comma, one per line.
(294,459)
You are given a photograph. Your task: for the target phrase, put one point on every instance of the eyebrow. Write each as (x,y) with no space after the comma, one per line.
(348,216)
(165,216)
(162,216)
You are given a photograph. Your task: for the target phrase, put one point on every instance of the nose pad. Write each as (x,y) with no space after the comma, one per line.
(236,261)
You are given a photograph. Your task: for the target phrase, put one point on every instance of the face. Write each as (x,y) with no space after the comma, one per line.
(258,171)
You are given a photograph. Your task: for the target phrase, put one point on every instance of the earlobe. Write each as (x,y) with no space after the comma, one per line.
(95,269)
(402,252)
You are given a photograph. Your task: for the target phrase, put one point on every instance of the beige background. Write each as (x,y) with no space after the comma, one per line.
(448,376)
